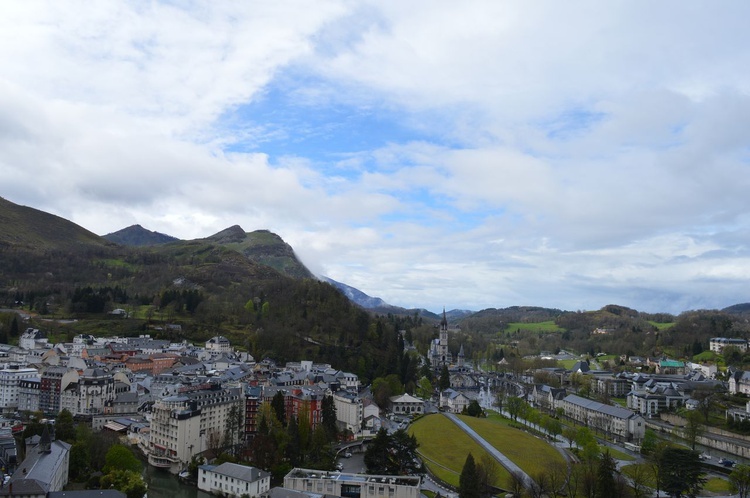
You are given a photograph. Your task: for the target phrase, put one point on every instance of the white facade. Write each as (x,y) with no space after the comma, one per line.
(349,411)
(231,479)
(454,401)
(9,381)
(184,425)
(361,485)
(615,420)
(406,404)
(717,344)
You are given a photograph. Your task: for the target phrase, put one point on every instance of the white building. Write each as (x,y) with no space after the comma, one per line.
(614,420)
(454,401)
(233,480)
(218,345)
(10,379)
(321,482)
(190,423)
(717,344)
(45,469)
(349,411)
(405,404)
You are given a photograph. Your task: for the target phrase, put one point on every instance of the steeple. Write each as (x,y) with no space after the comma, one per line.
(444,321)
(45,442)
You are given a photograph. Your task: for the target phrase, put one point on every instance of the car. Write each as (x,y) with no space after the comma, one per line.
(726,462)
(339,466)
(347,455)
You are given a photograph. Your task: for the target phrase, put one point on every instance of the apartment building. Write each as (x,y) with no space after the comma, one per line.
(190,423)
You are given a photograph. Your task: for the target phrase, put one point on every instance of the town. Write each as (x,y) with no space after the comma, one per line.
(207,412)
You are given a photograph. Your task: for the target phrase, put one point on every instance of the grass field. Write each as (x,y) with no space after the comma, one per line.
(539,327)
(662,326)
(714,485)
(530,453)
(444,447)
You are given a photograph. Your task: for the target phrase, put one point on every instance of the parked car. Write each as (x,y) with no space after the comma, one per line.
(339,466)
(347,455)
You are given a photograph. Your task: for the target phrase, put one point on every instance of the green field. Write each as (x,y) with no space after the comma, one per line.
(539,327)
(662,326)
(444,446)
(530,453)
(446,460)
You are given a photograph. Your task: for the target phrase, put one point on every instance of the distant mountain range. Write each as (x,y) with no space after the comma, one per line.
(136,235)
(36,231)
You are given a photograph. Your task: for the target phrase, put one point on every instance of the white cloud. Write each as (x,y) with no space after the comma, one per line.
(572,154)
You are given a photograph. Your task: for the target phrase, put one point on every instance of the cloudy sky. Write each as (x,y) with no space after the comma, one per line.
(433,153)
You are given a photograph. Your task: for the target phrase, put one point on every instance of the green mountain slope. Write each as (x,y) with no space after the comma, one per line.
(263,247)
(34,229)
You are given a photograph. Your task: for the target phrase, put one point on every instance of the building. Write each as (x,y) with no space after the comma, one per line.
(233,480)
(89,393)
(321,482)
(192,422)
(219,345)
(405,404)
(614,420)
(10,380)
(439,354)
(44,469)
(28,394)
(54,381)
(717,344)
(454,401)
(349,411)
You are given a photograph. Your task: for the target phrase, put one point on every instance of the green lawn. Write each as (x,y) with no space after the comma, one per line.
(444,447)
(567,364)
(619,455)
(530,453)
(539,327)
(717,485)
(662,326)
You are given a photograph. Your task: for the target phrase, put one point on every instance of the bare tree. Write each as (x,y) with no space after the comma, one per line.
(516,483)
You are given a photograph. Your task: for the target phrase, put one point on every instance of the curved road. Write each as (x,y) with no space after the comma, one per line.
(502,459)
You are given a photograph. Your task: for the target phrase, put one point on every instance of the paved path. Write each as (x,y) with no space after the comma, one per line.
(502,459)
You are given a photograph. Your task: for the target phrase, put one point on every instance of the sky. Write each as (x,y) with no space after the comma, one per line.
(436,154)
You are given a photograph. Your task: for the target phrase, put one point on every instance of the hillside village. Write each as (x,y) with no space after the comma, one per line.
(181,403)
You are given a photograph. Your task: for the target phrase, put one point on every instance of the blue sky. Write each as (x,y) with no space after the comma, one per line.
(434,154)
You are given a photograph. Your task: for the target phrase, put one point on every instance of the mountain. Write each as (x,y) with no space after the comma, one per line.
(358,297)
(36,230)
(136,235)
(263,247)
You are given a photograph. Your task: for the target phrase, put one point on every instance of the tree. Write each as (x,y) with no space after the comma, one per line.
(468,481)
(129,482)
(553,427)
(119,457)
(605,476)
(474,410)
(515,406)
(570,434)
(694,427)
(740,479)
(279,407)
(680,472)
(648,445)
(424,388)
(445,378)
(329,418)
(65,429)
(392,454)
(517,483)
(487,471)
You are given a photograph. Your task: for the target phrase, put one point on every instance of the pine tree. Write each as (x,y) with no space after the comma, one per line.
(445,378)
(468,481)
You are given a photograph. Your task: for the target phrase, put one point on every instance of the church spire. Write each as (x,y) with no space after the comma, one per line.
(45,441)
(444,321)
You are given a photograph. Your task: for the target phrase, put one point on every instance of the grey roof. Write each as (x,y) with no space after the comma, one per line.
(241,472)
(614,411)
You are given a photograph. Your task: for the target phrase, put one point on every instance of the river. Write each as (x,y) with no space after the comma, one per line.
(162,484)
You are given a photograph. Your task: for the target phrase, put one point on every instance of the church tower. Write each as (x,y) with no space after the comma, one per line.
(439,354)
